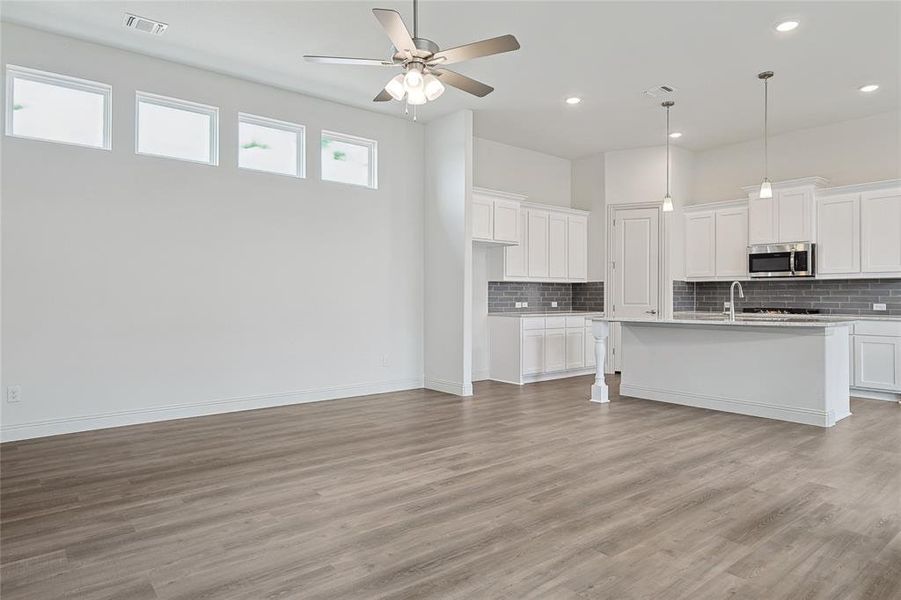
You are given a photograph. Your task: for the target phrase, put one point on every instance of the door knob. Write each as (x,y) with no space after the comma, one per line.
(651,312)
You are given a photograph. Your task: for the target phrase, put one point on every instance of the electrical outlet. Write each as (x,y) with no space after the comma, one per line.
(385,361)
(14,393)
(878,306)
(553,305)
(525,305)
(727,306)
(518,304)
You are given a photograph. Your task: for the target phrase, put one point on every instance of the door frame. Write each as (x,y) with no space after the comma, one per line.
(662,266)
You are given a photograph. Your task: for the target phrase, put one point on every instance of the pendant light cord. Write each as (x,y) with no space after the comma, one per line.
(415,17)
(766,136)
(667,150)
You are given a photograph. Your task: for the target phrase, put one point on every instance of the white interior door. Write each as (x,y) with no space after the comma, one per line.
(636,268)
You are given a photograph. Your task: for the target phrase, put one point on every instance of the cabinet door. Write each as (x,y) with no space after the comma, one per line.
(700,243)
(838,234)
(590,359)
(577,248)
(794,215)
(575,348)
(877,362)
(537,254)
(761,220)
(732,242)
(554,350)
(557,246)
(506,221)
(880,231)
(532,351)
(515,257)
(482,218)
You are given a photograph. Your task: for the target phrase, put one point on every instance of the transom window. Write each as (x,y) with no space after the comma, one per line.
(175,128)
(349,159)
(269,145)
(57,108)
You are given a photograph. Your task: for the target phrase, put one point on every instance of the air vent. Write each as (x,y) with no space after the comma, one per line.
(145,25)
(659,91)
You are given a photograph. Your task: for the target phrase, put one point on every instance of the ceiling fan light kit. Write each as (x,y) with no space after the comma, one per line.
(424,74)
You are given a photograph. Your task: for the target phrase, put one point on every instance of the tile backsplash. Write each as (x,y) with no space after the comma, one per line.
(830,296)
(502,296)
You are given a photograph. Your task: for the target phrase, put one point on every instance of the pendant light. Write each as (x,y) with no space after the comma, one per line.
(667,200)
(766,188)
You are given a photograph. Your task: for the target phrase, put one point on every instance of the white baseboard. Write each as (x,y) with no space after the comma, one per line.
(481,375)
(74,424)
(558,375)
(807,416)
(875,395)
(456,388)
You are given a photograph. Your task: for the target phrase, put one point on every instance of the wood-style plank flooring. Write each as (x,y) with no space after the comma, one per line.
(516,493)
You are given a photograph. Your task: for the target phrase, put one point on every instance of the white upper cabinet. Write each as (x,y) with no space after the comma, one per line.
(794,215)
(482,218)
(762,221)
(552,243)
(516,257)
(789,216)
(700,244)
(731,242)
(495,217)
(506,221)
(880,231)
(577,247)
(838,232)
(537,244)
(557,246)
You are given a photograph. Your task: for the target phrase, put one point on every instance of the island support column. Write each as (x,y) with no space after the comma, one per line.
(600,329)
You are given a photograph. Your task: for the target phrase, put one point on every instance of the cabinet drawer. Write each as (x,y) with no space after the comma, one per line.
(575,321)
(533,323)
(887,328)
(555,322)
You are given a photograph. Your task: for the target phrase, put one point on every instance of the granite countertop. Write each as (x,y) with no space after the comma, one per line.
(555,313)
(718,319)
(763,317)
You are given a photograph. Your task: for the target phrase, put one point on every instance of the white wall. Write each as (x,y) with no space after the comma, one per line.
(448,254)
(589,194)
(138,288)
(480,340)
(543,178)
(855,151)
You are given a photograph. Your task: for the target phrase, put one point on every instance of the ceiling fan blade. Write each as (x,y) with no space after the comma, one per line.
(345,60)
(383,96)
(498,45)
(462,82)
(395,28)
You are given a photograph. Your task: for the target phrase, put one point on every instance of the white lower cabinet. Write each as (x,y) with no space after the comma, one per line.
(575,347)
(525,349)
(532,351)
(876,355)
(554,350)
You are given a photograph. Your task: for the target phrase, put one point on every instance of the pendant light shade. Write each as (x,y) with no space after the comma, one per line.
(766,188)
(667,200)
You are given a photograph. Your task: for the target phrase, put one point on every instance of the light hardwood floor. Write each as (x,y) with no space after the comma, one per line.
(516,493)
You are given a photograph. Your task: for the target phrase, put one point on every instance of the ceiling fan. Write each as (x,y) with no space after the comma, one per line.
(423,62)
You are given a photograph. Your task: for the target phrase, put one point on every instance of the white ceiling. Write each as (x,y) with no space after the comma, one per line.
(606,52)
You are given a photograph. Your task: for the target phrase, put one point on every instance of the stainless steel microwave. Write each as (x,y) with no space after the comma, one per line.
(797,259)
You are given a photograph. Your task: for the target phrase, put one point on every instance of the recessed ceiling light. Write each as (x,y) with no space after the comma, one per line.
(868,88)
(787,26)
(676,134)
(573,100)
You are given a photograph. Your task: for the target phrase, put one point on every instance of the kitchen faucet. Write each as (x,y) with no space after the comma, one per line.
(741,294)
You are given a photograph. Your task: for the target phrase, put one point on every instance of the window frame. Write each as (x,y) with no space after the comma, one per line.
(297,129)
(184,105)
(373,146)
(65,81)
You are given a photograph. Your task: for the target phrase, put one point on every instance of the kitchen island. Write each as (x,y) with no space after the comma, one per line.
(788,369)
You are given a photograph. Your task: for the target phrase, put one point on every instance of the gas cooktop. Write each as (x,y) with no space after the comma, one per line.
(781,311)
